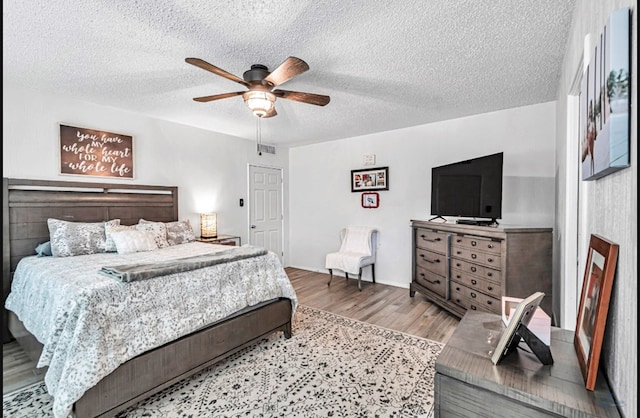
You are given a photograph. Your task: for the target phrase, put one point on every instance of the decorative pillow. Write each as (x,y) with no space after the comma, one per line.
(44,249)
(158,228)
(110,246)
(132,241)
(76,238)
(180,232)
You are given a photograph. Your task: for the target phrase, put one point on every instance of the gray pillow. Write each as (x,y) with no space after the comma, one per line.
(76,238)
(44,249)
(180,232)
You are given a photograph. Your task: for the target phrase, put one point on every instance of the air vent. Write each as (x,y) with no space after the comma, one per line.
(269,149)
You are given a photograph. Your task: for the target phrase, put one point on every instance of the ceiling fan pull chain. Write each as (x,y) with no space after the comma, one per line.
(259,136)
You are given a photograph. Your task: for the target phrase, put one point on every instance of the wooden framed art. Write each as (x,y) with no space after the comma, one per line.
(368,179)
(90,152)
(370,200)
(594,305)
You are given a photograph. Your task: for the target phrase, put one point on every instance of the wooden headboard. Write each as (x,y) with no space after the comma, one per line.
(27,204)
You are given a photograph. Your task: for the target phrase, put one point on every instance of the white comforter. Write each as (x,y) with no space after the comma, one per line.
(89,324)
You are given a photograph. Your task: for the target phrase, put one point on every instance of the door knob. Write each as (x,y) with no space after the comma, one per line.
(253,227)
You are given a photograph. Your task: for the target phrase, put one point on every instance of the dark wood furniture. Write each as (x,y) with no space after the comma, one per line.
(27,204)
(468,267)
(222,240)
(467,384)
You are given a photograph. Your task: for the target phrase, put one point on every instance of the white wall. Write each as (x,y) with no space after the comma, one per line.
(607,207)
(210,169)
(322,201)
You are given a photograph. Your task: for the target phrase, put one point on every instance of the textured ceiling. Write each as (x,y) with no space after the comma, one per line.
(385,64)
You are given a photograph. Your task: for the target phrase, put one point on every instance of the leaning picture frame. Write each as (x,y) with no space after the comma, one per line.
(594,305)
(370,179)
(521,317)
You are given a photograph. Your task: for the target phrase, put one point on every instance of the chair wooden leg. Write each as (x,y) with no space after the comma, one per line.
(330,276)
(360,279)
(346,275)
(373,272)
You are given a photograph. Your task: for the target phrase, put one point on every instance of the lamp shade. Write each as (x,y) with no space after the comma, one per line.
(208,225)
(260,102)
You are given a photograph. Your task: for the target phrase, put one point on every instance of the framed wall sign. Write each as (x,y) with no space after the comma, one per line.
(370,179)
(89,152)
(594,305)
(370,200)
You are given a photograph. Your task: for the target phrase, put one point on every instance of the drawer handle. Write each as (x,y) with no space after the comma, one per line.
(457,264)
(431,261)
(490,260)
(458,289)
(474,256)
(473,282)
(458,252)
(488,302)
(473,308)
(424,237)
(490,288)
(473,269)
(473,243)
(490,246)
(458,276)
(473,295)
(458,300)
(458,240)
(489,274)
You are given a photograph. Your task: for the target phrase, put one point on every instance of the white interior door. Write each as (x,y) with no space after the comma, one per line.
(265,208)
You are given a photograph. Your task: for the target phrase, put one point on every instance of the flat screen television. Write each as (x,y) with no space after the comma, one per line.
(471,189)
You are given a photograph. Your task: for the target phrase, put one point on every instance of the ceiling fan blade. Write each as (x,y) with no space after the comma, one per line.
(290,68)
(218,71)
(205,99)
(314,99)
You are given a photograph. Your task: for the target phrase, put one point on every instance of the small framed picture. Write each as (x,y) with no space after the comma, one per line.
(594,306)
(370,179)
(370,200)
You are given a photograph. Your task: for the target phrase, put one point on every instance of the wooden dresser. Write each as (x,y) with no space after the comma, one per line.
(468,384)
(468,267)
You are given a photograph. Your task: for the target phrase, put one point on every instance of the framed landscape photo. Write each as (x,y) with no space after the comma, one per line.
(594,305)
(369,179)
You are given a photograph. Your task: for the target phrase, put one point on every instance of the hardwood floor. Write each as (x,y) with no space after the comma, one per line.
(382,305)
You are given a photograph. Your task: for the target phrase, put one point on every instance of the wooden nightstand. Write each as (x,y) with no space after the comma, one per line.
(467,384)
(222,240)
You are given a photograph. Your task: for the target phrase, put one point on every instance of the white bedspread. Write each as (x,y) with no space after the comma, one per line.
(89,324)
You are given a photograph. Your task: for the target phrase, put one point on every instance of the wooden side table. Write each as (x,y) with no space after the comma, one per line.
(222,240)
(468,384)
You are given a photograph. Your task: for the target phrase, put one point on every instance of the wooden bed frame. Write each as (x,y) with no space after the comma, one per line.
(27,204)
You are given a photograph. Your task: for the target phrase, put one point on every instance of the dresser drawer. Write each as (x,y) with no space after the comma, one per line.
(490,260)
(432,240)
(477,244)
(477,270)
(472,299)
(434,262)
(477,283)
(431,281)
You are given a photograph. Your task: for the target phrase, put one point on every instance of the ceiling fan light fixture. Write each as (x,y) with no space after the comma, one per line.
(260,102)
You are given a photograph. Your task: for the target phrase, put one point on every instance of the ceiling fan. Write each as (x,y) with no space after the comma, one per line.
(261,96)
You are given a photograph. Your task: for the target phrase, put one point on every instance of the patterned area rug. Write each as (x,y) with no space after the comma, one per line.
(331,367)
